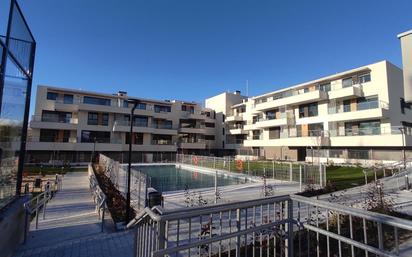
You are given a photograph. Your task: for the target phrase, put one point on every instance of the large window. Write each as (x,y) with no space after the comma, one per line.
(52,96)
(96,101)
(137,138)
(364,78)
(308,110)
(325,87)
(347,82)
(140,121)
(51,116)
(68,99)
(367,103)
(105,119)
(54,135)
(358,154)
(271,115)
(162,140)
(362,128)
(346,106)
(95,136)
(92,118)
(274,133)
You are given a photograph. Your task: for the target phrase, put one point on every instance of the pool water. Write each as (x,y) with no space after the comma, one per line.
(171,178)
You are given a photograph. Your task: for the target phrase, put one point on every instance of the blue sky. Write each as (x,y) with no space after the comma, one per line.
(194,49)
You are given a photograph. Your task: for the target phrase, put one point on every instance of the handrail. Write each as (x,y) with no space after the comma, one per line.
(39,202)
(99,197)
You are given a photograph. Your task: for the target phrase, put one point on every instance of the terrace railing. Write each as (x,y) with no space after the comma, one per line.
(287,171)
(287,225)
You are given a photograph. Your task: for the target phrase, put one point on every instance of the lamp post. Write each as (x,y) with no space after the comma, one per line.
(402,129)
(134,102)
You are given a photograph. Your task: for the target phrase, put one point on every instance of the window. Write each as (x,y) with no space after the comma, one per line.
(209,124)
(367,103)
(256,134)
(137,138)
(210,137)
(162,140)
(68,99)
(364,78)
(347,82)
(95,136)
(274,133)
(96,101)
(92,118)
(162,108)
(141,106)
(125,104)
(271,115)
(140,121)
(54,135)
(362,128)
(52,96)
(346,106)
(308,110)
(325,87)
(223,131)
(105,119)
(61,117)
(315,130)
(358,154)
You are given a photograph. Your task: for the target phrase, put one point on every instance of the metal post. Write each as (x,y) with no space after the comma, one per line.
(216,186)
(300,178)
(128,211)
(402,129)
(289,229)
(406,182)
(290,172)
(320,175)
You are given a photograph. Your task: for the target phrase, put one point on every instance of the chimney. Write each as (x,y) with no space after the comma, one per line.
(122,93)
(406,46)
(237,92)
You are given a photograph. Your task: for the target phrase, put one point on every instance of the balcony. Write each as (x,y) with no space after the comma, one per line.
(60,123)
(191,143)
(193,129)
(197,115)
(366,110)
(295,98)
(238,117)
(346,92)
(124,126)
(162,142)
(66,106)
(236,129)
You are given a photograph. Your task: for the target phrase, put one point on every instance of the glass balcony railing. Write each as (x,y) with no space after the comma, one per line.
(359,107)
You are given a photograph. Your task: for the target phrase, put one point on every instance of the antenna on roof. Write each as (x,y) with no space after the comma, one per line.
(247,88)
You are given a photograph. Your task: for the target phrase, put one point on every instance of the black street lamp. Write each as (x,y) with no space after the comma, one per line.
(135,102)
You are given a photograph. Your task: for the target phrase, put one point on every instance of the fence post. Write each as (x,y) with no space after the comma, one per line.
(229,163)
(161,236)
(238,230)
(248,166)
(290,172)
(289,229)
(273,169)
(140,189)
(191,159)
(300,178)
(216,186)
(214,162)
(320,175)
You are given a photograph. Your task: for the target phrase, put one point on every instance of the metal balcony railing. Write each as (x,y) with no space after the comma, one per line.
(288,225)
(359,107)
(56,119)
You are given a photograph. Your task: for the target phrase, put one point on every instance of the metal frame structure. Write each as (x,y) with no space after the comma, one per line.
(27,71)
(287,225)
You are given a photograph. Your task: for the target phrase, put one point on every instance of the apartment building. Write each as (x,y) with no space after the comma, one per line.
(70,124)
(349,116)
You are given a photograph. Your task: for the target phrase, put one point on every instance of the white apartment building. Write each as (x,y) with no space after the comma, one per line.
(346,117)
(70,124)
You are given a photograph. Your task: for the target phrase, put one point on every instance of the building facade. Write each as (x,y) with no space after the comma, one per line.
(347,117)
(69,125)
(351,116)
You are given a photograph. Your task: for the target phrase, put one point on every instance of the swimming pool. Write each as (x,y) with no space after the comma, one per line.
(171,178)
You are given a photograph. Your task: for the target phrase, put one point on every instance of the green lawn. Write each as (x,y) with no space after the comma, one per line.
(346,177)
(49,170)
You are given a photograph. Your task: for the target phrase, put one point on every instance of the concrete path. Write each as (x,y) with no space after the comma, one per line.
(72,227)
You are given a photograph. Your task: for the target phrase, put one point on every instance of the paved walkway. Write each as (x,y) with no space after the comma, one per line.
(72,227)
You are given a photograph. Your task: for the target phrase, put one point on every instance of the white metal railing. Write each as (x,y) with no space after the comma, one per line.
(286,225)
(39,202)
(99,197)
(286,171)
